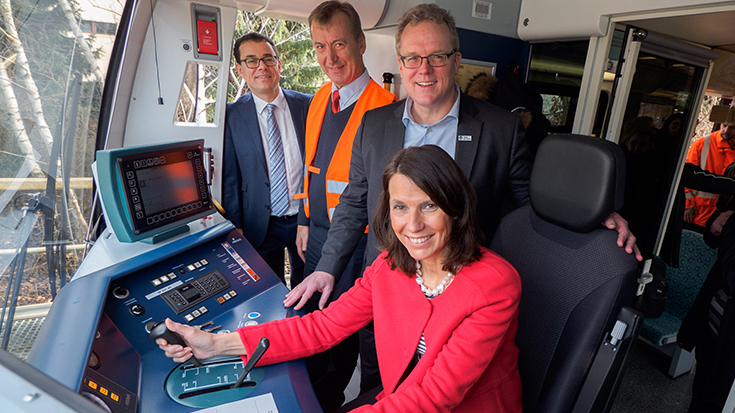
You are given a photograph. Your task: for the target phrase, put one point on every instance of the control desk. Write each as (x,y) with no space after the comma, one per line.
(96,342)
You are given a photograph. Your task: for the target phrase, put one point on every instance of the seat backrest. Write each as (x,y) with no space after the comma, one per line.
(575,278)
(695,261)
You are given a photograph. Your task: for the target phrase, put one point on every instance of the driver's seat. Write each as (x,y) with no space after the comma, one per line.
(576,281)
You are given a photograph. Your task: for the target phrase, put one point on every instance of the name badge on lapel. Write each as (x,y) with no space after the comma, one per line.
(464,138)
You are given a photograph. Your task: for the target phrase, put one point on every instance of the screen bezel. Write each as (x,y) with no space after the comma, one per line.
(143,220)
(117,207)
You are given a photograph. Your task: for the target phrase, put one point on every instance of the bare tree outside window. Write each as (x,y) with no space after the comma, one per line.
(300,70)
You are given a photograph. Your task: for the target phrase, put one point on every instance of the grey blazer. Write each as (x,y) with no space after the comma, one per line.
(496,160)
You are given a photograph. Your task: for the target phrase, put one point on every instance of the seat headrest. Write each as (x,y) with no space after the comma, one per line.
(577,181)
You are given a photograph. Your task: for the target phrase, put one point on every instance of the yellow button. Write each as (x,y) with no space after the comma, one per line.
(115,397)
(93,385)
(104,391)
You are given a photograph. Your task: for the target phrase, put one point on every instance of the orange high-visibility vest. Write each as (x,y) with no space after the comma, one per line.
(338,171)
(713,154)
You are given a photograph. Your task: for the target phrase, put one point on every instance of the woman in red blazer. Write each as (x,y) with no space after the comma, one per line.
(445,308)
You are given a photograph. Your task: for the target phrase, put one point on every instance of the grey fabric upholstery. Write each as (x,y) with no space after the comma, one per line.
(578,182)
(575,278)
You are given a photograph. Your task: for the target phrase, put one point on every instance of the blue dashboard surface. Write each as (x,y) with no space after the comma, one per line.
(95,335)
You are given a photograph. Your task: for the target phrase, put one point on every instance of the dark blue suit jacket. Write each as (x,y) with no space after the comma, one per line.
(245,180)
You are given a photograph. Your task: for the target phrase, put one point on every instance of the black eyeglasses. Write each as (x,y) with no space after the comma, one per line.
(434,60)
(254,62)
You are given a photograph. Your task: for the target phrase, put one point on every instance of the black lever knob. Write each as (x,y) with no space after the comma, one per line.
(159,330)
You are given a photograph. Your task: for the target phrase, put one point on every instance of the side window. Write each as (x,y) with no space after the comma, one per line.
(198,94)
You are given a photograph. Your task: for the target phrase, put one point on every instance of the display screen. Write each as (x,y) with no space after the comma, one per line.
(167,186)
(164,187)
(189,293)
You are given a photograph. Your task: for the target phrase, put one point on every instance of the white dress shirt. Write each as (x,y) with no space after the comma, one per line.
(291,151)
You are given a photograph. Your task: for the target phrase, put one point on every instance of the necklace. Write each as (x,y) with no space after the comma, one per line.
(439,288)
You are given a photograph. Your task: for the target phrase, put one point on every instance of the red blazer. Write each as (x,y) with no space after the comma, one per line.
(470,364)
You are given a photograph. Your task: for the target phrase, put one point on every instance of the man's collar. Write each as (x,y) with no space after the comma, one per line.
(356,86)
(279,101)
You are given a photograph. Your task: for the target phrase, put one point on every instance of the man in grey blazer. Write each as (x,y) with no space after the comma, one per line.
(486,141)
(267,218)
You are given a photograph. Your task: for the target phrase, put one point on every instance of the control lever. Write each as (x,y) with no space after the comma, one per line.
(159,330)
(254,358)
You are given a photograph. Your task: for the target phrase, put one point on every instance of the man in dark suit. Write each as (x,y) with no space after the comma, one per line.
(486,141)
(263,155)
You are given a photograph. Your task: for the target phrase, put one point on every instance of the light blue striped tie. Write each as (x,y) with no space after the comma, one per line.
(279,183)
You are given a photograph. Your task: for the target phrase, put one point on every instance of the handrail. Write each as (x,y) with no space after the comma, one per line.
(36,184)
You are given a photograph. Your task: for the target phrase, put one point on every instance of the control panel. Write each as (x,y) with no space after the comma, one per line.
(192,288)
(219,285)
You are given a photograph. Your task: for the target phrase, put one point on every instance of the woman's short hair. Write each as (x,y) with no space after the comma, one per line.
(439,176)
(427,13)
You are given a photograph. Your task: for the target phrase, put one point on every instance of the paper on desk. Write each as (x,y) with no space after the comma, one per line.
(259,404)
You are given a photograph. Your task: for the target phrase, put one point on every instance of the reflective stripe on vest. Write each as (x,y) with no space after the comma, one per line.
(337,174)
(336,187)
(703,164)
(703,194)
(705,152)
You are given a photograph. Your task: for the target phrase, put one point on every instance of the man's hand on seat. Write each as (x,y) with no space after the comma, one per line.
(317,281)
(625,237)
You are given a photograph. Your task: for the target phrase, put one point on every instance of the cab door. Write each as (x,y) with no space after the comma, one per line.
(657,78)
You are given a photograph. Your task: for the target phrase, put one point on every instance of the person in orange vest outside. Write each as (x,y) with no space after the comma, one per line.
(712,153)
(334,116)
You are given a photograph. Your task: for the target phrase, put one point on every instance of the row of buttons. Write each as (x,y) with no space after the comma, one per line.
(240,261)
(211,284)
(196,314)
(198,264)
(168,214)
(159,160)
(177,299)
(134,192)
(163,279)
(103,391)
(227,297)
(200,175)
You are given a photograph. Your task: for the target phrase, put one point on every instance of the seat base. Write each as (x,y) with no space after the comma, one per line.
(682,361)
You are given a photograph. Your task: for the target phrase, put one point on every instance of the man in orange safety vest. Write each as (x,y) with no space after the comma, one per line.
(334,116)
(713,153)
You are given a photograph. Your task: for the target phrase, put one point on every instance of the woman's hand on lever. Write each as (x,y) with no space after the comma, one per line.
(202,344)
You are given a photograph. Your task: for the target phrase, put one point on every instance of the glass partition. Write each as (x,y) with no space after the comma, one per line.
(53,60)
